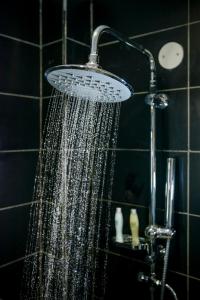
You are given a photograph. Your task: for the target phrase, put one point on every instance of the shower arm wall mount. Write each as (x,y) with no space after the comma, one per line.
(153,98)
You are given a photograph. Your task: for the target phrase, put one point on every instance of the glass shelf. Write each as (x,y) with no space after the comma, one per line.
(127,243)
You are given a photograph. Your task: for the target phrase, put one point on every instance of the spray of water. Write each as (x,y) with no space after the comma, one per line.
(73,177)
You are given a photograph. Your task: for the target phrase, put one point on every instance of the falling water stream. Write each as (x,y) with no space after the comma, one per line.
(75,172)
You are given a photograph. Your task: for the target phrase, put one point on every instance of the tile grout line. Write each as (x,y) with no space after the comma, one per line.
(19,151)
(19,40)
(19,95)
(18,205)
(145,92)
(130,37)
(17,260)
(188,154)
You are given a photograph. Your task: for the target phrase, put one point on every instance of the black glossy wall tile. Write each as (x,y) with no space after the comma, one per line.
(194,288)
(17,173)
(135,17)
(172,123)
(180,198)
(134,67)
(79,20)
(178,251)
(194,183)
(20,19)
(131,179)
(10,278)
(194,247)
(134,125)
(52,20)
(52,56)
(194,119)
(179,284)
(194,54)
(19,119)
(13,233)
(122,280)
(19,66)
(194,10)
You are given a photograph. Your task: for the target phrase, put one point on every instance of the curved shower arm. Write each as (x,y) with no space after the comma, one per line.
(93,58)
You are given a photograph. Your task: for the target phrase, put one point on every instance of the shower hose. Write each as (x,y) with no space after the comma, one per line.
(163,284)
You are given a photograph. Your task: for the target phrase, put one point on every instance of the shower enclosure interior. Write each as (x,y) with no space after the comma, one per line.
(74,85)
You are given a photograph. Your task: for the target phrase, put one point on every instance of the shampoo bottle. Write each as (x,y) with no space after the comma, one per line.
(134,225)
(119,225)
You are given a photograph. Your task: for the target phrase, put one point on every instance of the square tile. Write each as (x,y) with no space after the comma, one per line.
(194,54)
(194,183)
(17,177)
(179,285)
(131,177)
(14,228)
(194,119)
(194,247)
(194,10)
(52,20)
(134,124)
(194,288)
(20,19)
(19,66)
(19,119)
(11,276)
(172,123)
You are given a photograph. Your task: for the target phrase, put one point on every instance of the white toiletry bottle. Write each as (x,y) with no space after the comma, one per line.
(119,225)
(134,225)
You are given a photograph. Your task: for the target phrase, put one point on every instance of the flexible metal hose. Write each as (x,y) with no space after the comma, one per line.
(166,259)
(163,284)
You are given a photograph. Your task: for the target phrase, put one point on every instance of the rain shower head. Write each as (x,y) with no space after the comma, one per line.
(89,83)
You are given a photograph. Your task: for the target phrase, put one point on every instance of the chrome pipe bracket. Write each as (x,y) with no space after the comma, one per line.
(154,232)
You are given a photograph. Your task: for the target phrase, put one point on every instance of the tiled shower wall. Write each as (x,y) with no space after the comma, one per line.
(151,23)
(19,133)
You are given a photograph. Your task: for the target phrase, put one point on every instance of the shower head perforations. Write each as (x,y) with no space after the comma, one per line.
(87,83)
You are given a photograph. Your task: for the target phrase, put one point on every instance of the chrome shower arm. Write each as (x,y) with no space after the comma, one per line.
(93,58)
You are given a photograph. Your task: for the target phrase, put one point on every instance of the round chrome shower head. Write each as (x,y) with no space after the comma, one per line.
(89,83)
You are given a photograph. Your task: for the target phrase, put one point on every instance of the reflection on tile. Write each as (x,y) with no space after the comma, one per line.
(19,66)
(194,119)
(19,120)
(194,183)
(135,17)
(131,180)
(134,68)
(10,278)
(13,233)
(194,54)
(20,19)
(17,173)
(180,198)
(194,247)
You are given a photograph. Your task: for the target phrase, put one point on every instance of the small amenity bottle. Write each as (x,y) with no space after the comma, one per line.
(134,225)
(119,225)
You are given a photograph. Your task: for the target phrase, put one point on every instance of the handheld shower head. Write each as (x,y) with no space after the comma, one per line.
(89,83)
